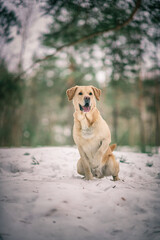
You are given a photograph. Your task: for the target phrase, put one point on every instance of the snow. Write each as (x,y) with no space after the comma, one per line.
(43,197)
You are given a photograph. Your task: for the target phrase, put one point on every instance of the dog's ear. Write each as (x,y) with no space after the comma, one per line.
(97,92)
(70,92)
(113,146)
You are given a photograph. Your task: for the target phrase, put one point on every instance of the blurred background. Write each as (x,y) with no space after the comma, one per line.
(113,45)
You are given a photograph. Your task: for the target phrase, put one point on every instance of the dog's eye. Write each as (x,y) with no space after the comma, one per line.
(90,93)
(80,93)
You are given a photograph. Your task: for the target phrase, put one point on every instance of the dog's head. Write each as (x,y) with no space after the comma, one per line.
(84,97)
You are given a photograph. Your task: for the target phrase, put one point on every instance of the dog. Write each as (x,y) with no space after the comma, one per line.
(91,134)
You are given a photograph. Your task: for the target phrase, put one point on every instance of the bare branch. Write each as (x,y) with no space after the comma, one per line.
(125,23)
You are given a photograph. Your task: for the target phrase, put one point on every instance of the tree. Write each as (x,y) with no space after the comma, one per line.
(10,100)
(8,20)
(10,91)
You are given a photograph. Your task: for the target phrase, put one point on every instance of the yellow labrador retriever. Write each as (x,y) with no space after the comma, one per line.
(91,134)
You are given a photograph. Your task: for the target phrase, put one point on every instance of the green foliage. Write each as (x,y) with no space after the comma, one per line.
(8,20)
(149,164)
(10,90)
(11,97)
(35,161)
(75,19)
(123,159)
(26,154)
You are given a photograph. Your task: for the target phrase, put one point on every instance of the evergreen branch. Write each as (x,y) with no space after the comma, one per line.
(118,27)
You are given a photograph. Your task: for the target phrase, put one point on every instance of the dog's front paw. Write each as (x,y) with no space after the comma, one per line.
(89,177)
(79,115)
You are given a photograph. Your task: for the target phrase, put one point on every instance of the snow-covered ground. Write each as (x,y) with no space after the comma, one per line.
(43,198)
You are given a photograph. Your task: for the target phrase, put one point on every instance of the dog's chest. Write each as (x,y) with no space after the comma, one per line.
(87,132)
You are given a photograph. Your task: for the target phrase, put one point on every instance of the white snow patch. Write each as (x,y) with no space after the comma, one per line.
(43,197)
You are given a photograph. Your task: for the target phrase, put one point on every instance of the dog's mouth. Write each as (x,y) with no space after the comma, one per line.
(85,108)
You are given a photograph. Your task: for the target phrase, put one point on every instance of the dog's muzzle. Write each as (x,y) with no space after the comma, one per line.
(86,107)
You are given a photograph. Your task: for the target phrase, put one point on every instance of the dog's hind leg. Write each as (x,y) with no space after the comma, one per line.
(111,168)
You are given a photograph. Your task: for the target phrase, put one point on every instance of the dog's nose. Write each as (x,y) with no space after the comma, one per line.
(87,99)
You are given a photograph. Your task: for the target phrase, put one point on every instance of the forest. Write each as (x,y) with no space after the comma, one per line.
(49,46)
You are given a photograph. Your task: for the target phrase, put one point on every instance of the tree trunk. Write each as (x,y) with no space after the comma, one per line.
(157,123)
(141,109)
(115,117)
(24,35)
